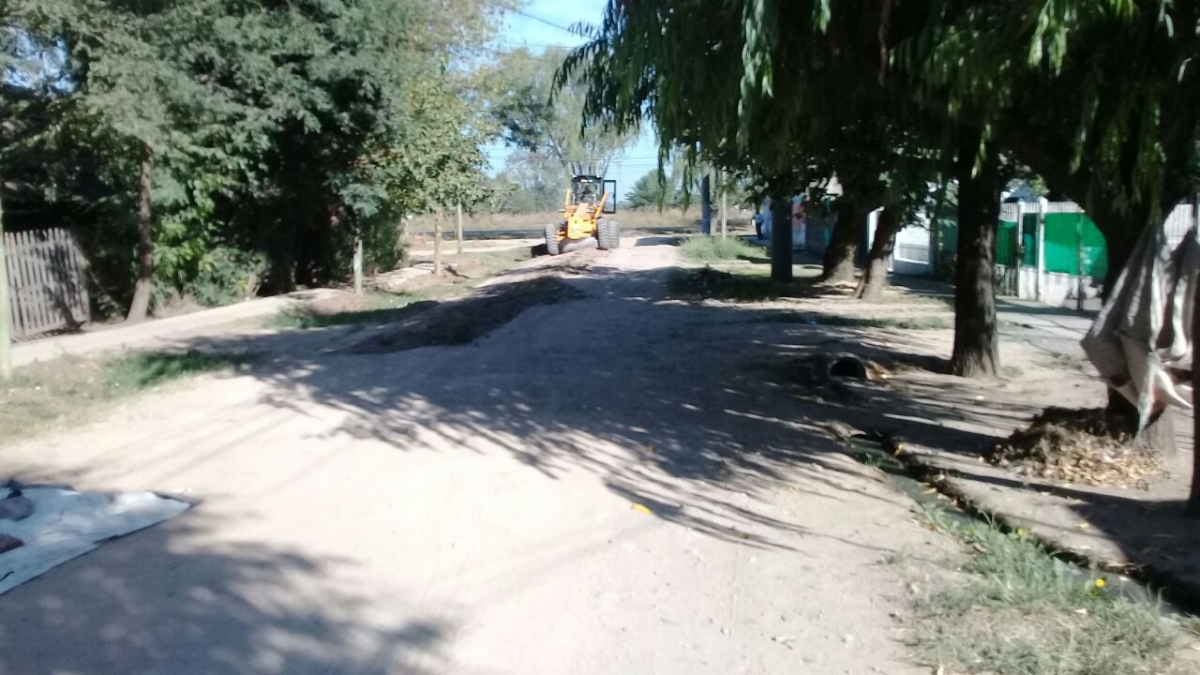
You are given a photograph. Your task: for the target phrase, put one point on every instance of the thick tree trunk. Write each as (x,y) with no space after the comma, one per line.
(140,304)
(781,238)
(976,350)
(875,274)
(1193,503)
(843,244)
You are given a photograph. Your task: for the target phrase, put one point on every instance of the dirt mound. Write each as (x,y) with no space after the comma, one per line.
(337,304)
(1076,446)
(462,321)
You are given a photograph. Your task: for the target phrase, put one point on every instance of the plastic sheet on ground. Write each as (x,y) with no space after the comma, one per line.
(65,524)
(1142,340)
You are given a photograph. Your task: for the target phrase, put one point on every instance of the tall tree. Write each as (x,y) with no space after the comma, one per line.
(533,115)
(256,131)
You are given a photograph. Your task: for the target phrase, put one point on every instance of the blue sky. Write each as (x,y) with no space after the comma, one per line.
(520,30)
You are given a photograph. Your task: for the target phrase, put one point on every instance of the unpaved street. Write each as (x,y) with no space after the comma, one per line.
(604,485)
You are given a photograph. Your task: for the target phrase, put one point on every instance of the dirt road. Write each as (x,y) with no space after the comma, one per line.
(605,485)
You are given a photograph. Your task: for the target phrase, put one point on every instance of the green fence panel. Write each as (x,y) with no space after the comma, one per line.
(1006,243)
(1062,240)
(1029,239)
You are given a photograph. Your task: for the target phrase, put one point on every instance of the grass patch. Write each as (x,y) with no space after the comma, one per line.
(1024,612)
(904,323)
(708,283)
(716,249)
(151,369)
(44,395)
(475,267)
(380,308)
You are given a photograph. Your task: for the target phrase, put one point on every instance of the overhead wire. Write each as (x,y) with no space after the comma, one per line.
(539,19)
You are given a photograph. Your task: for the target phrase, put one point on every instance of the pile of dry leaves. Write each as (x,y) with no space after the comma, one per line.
(1076,446)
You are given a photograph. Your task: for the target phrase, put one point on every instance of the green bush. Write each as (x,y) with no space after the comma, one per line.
(714,249)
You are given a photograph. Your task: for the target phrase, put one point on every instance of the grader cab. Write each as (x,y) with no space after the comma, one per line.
(588,200)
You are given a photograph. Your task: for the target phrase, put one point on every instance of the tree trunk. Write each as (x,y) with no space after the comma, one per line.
(843,244)
(781,238)
(458,230)
(976,351)
(875,275)
(140,304)
(437,242)
(1193,502)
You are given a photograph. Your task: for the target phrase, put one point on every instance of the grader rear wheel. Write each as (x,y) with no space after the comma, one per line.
(608,234)
(551,233)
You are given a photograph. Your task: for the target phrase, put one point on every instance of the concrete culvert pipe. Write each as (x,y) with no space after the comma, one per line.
(848,366)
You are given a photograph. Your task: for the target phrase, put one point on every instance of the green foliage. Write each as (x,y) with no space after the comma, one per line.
(279,132)
(1098,98)
(150,369)
(1023,612)
(532,115)
(713,249)
(653,191)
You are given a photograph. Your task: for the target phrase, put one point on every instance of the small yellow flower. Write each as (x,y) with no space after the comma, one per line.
(1100,583)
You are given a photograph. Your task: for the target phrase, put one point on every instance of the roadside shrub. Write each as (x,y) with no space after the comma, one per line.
(714,249)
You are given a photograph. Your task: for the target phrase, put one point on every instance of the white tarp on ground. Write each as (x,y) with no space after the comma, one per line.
(1141,341)
(65,524)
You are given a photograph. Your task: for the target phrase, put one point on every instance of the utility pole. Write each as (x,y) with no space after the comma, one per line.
(1079,263)
(705,203)
(724,207)
(5,311)
(458,233)
(358,264)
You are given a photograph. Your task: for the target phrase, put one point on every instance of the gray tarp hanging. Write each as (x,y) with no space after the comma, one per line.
(1141,341)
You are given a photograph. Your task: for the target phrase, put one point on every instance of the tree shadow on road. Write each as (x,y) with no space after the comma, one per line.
(678,407)
(169,600)
(654,396)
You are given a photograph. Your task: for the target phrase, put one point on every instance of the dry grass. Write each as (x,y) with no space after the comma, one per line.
(630,220)
(65,391)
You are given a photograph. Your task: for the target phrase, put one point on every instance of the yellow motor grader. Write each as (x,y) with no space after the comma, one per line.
(587,202)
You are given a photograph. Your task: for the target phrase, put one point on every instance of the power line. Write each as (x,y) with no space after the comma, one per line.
(545,21)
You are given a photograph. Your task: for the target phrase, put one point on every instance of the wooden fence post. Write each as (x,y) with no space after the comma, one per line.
(6,329)
(358,265)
